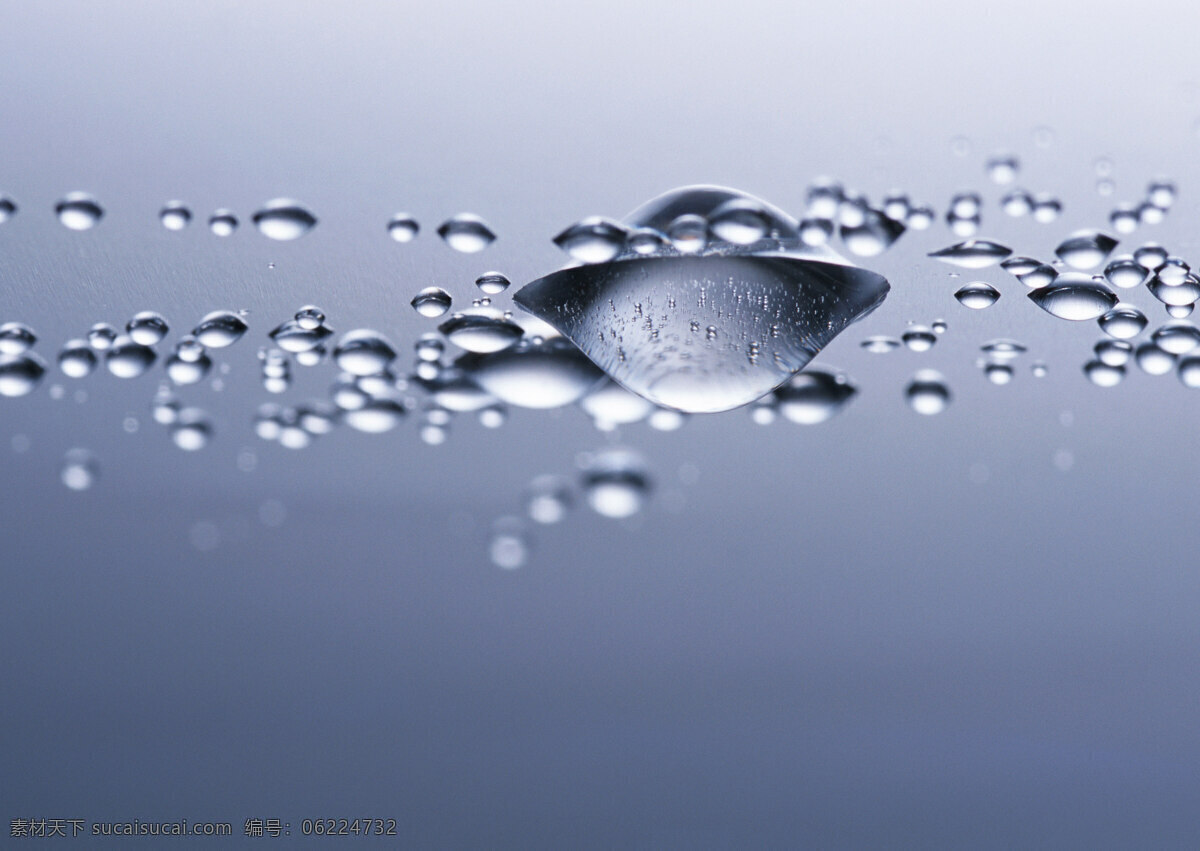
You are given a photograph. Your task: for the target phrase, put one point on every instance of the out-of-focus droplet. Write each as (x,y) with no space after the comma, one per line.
(128,359)
(973,254)
(76,359)
(1153,360)
(918,338)
(813,396)
(1046,208)
(482,333)
(79,211)
(1017,203)
(363,352)
(615,483)
(466,233)
(1003,168)
(1103,374)
(80,469)
(20,374)
(927,392)
(223,223)
(880,345)
(403,228)
(191,430)
(175,215)
(550,498)
(1113,352)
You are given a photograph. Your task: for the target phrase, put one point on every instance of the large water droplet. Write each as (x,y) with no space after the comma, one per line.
(467,233)
(927,392)
(1123,322)
(1085,249)
(19,374)
(129,359)
(403,228)
(16,338)
(492,283)
(977,295)
(219,329)
(147,328)
(79,211)
(973,254)
(175,215)
(1186,292)
(431,302)
(80,469)
(482,333)
(77,360)
(363,352)
(283,219)
(592,240)
(1074,296)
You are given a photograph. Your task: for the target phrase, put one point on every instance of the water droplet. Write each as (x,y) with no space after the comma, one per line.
(1126,273)
(8,208)
(1046,209)
(1125,219)
(1161,193)
(973,254)
(219,329)
(509,548)
(376,416)
(431,302)
(403,228)
(467,233)
(19,374)
(147,328)
(492,283)
(823,199)
(76,360)
(1149,214)
(549,499)
(1032,273)
(965,205)
(222,223)
(101,336)
(482,333)
(310,317)
(1186,292)
(1038,368)
(283,219)
(592,240)
(939,326)
(615,483)
(1113,352)
(79,211)
(1189,371)
(977,295)
(493,416)
(813,396)
(191,430)
(880,345)
(1074,296)
(1173,271)
(530,375)
(1002,349)
(611,405)
(896,206)
(918,338)
(1085,249)
(292,336)
(874,235)
(927,392)
(429,348)
(16,338)
(363,352)
(688,233)
(1105,187)
(128,359)
(815,232)
(1151,255)
(1103,374)
(175,216)
(920,218)
(1003,168)
(1123,322)
(1152,360)
(667,419)
(998,373)
(1017,203)
(1180,311)
(184,371)
(1178,338)
(80,469)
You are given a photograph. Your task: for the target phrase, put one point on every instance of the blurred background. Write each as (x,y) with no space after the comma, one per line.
(975,629)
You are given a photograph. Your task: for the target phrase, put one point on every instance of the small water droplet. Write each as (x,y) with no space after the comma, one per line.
(175,215)
(813,396)
(1151,255)
(1126,272)
(1189,371)
(921,217)
(977,295)
(1003,168)
(1123,322)
(615,484)
(1150,214)
(129,359)
(1161,193)
(482,333)
(80,469)
(431,302)
(1113,352)
(101,336)
(79,211)
(880,345)
(814,232)
(283,219)
(1180,311)
(8,208)
(147,328)
(1002,349)
(1105,187)
(191,430)
(466,233)
(76,359)
(1032,273)
(592,240)
(1046,209)
(222,222)
(219,329)
(739,221)
(939,326)
(1074,296)
(873,235)
(1125,219)
(192,370)
(1103,374)
(1017,203)
(376,416)
(509,547)
(927,393)
(549,499)
(688,233)
(998,373)
(918,338)
(492,283)
(20,374)
(363,352)
(1039,369)
(1153,360)
(1085,249)
(16,338)
(403,228)
(973,254)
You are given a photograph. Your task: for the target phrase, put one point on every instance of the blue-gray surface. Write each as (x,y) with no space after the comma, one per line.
(969,630)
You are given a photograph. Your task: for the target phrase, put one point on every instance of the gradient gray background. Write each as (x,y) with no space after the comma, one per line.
(842,639)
